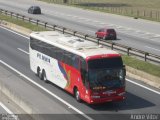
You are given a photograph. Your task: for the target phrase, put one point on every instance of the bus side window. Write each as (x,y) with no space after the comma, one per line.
(75,62)
(32,43)
(65,57)
(60,55)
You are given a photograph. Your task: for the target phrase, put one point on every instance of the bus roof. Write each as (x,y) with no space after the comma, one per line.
(73,44)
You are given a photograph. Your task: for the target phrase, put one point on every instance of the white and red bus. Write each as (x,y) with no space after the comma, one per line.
(91,73)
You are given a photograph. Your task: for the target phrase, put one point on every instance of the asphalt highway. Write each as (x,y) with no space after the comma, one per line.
(137,33)
(14,52)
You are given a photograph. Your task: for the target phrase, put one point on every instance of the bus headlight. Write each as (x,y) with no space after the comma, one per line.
(121,94)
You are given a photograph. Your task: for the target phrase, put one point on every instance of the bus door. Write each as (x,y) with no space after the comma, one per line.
(84,77)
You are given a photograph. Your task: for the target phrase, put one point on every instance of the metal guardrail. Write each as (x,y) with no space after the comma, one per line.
(116,46)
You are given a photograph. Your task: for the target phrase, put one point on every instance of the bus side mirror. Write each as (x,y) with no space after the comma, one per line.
(124,70)
(86,84)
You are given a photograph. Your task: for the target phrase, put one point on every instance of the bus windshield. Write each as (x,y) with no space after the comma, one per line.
(105,63)
(106,73)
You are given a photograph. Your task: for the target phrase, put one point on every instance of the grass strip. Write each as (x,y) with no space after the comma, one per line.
(142,65)
(129,61)
(22,23)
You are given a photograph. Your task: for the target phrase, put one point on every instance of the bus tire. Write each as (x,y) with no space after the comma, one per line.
(77,95)
(43,76)
(38,71)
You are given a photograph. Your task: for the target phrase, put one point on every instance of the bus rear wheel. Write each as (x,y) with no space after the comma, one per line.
(43,76)
(77,95)
(38,72)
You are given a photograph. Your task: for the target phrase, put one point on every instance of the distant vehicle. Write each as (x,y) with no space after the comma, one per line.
(34,10)
(106,34)
(91,73)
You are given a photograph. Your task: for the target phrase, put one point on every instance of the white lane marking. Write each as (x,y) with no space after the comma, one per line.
(152,48)
(143,86)
(14,117)
(133,35)
(15,32)
(157,36)
(47,91)
(6,109)
(101,23)
(91,31)
(23,51)
(73,16)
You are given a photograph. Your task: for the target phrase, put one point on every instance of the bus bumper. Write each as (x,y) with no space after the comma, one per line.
(104,100)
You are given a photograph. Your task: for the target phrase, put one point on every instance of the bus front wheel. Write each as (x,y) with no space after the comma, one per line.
(77,95)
